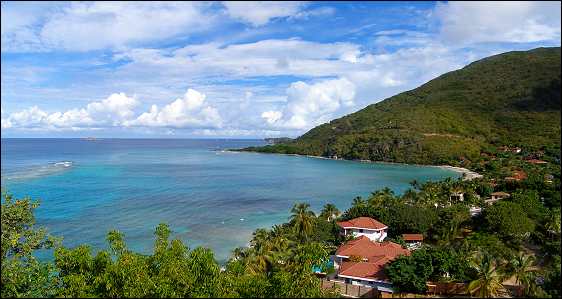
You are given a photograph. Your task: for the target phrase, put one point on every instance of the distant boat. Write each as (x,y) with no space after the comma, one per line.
(90,138)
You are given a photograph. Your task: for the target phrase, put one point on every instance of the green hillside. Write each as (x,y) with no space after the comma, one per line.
(509,99)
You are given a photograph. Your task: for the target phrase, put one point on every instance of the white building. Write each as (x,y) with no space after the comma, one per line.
(362,261)
(364,226)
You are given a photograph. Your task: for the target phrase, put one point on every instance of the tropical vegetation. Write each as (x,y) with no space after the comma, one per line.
(499,116)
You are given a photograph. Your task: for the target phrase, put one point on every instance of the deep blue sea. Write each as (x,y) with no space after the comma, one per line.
(209,197)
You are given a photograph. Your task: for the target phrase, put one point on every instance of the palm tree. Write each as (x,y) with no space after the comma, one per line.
(302,220)
(552,224)
(430,194)
(410,196)
(358,202)
(489,281)
(522,268)
(381,197)
(240,253)
(330,212)
(260,261)
(277,230)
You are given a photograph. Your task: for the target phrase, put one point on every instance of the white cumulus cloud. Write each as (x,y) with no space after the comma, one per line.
(84,26)
(312,104)
(190,111)
(517,22)
(259,13)
(111,111)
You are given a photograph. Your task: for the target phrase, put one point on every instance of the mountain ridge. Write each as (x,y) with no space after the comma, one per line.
(509,99)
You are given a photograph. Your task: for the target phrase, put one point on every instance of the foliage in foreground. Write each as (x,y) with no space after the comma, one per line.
(172,270)
(279,261)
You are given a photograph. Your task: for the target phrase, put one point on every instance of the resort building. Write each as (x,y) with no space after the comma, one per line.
(497,196)
(362,261)
(515,150)
(456,196)
(518,175)
(535,161)
(364,226)
(413,241)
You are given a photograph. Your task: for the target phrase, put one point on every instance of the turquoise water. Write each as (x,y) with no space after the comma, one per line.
(209,197)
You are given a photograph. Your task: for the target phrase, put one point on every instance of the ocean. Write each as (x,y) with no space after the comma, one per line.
(208,196)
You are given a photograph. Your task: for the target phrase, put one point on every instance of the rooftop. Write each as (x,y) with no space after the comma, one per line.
(363,222)
(412,237)
(375,256)
(367,270)
(371,250)
(535,161)
(500,193)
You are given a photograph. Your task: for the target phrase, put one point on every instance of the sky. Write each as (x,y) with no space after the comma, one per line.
(237,69)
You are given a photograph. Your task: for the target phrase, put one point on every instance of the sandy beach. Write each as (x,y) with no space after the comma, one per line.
(467,174)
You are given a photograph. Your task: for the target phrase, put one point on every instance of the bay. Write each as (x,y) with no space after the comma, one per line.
(210,197)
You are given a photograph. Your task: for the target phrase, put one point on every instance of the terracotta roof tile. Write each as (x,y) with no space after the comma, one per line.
(536,161)
(376,256)
(500,194)
(364,269)
(371,250)
(412,237)
(363,222)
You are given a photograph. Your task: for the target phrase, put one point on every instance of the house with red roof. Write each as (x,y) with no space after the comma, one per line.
(495,196)
(364,226)
(362,261)
(413,241)
(536,161)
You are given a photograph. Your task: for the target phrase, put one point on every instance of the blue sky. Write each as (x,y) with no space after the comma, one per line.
(237,69)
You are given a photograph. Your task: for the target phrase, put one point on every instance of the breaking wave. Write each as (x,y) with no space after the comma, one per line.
(36,171)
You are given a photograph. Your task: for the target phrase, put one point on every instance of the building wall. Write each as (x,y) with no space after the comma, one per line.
(377,236)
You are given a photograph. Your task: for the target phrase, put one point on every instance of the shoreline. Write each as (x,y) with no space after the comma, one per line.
(465,173)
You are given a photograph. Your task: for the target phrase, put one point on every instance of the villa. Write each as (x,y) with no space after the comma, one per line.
(517,176)
(413,241)
(364,226)
(499,195)
(496,196)
(361,261)
(536,161)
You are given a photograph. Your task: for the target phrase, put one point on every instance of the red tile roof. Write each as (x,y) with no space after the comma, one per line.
(371,250)
(500,194)
(535,161)
(376,255)
(362,222)
(364,269)
(412,237)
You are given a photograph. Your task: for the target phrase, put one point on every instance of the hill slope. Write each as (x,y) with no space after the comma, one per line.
(507,99)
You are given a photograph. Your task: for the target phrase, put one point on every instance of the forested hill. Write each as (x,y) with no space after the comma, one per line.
(510,99)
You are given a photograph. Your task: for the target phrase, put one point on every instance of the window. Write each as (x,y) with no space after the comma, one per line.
(360,230)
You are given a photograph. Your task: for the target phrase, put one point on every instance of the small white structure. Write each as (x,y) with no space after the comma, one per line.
(456,196)
(474,211)
(496,196)
(413,241)
(364,226)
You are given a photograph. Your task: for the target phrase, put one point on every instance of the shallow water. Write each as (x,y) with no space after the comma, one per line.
(209,197)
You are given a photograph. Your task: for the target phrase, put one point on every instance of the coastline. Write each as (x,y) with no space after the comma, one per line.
(466,174)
